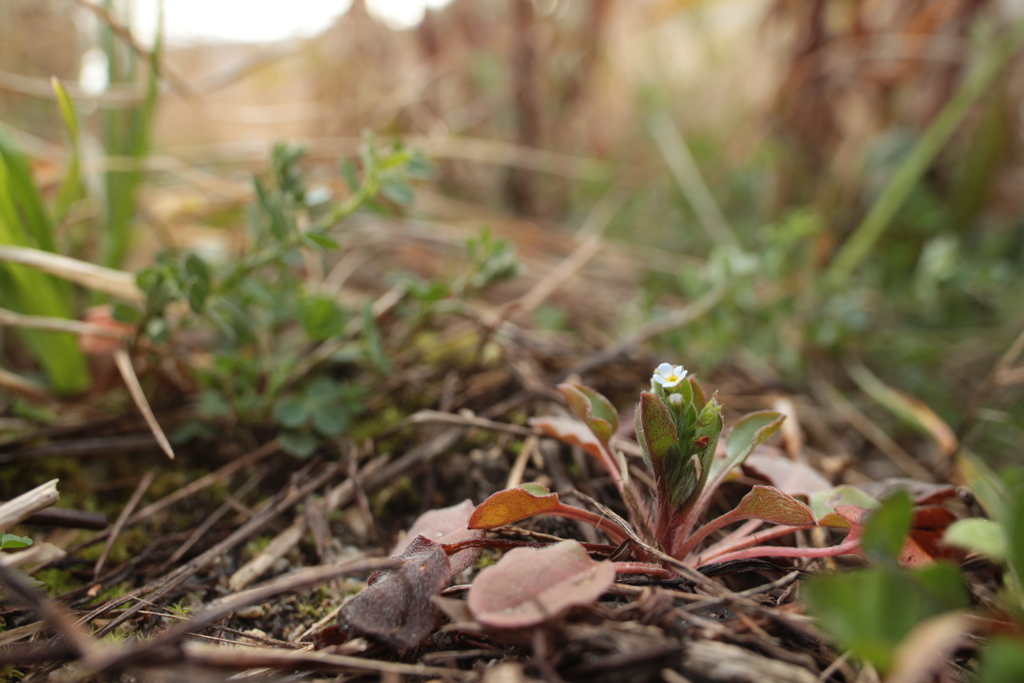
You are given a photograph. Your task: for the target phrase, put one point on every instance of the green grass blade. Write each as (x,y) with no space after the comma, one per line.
(24,194)
(127,134)
(885,208)
(30,292)
(71,188)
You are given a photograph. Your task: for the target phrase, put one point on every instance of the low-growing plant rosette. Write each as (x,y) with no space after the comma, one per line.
(678,430)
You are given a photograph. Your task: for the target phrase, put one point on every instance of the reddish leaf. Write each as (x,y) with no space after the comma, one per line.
(530,586)
(572,432)
(446,526)
(772,505)
(395,608)
(926,533)
(594,409)
(762,502)
(790,476)
(924,542)
(512,505)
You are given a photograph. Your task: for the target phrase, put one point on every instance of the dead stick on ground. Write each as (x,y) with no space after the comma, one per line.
(217,610)
(212,519)
(42,322)
(158,588)
(133,502)
(249,658)
(124,365)
(203,482)
(50,611)
(28,503)
(593,228)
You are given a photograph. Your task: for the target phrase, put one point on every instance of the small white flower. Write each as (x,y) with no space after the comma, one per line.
(668,376)
(675,400)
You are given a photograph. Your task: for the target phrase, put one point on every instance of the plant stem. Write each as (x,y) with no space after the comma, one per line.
(604,524)
(683,546)
(730,543)
(848,547)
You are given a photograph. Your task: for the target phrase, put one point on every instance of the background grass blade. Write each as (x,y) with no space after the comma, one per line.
(30,292)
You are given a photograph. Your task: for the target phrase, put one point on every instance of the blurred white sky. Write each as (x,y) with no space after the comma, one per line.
(240,21)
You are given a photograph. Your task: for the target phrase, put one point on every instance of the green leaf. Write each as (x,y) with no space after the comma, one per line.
(398,191)
(980,535)
(320,240)
(373,342)
(198,295)
(888,527)
(419,167)
(323,391)
(321,318)
(944,585)
(656,432)
(299,444)
(823,504)
(10,541)
(197,268)
(292,412)
(1002,661)
(348,172)
(513,505)
(330,421)
(125,313)
(1015,532)
(699,397)
(871,611)
(750,432)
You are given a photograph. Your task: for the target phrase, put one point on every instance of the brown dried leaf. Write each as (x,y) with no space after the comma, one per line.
(395,608)
(530,586)
(446,526)
(572,432)
(790,476)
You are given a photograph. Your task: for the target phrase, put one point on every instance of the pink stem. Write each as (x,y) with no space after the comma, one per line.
(603,523)
(687,546)
(693,509)
(848,547)
(733,542)
(608,460)
(643,568)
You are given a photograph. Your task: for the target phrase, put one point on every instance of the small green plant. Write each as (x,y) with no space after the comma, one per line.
(26,221)
(678,430)
(266,317)
(871,611)
(323,409)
